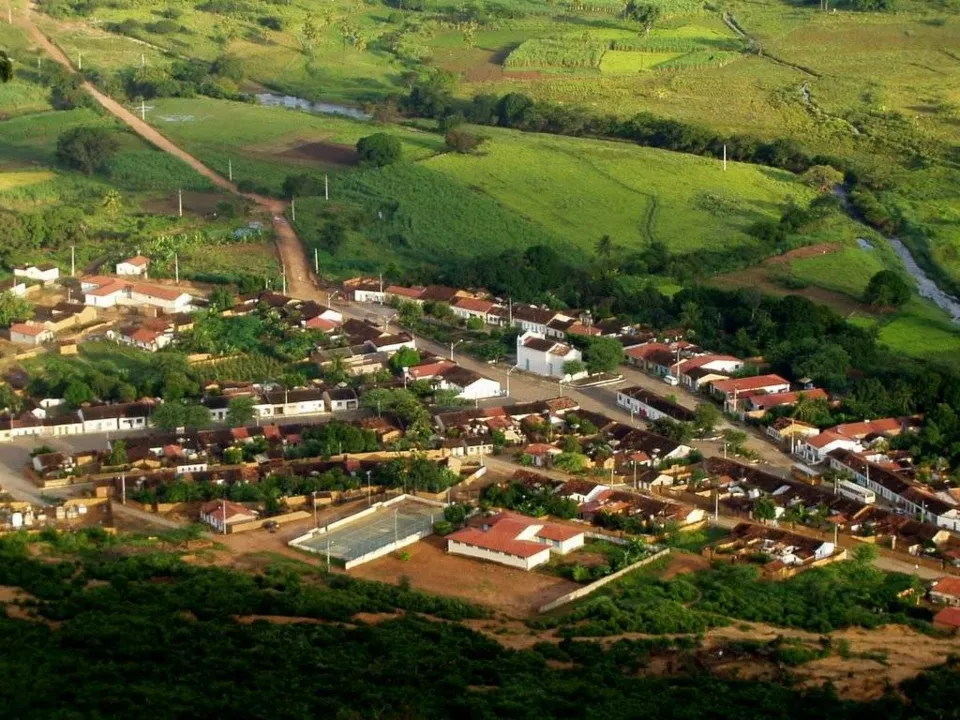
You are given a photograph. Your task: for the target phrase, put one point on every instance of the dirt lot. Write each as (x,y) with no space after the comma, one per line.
(515,593)
(681,563)
(323,152)
(804,252)
(197,203)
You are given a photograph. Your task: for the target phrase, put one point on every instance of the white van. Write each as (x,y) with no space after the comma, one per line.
(671,380)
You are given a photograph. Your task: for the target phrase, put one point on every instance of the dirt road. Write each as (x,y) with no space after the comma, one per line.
(301,282)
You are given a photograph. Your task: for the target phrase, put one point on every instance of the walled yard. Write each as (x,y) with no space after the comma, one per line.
(429,568)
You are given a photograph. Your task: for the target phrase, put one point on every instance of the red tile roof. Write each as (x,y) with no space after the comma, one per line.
(138,260)
(216,508)
(31,329)
(474,305)
(413,292)
(504,530)
(756,382)
(948,586)
(948,616)
(787,398)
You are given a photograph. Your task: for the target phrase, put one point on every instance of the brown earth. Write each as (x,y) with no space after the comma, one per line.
(514,592)
(325,153)
(804,252)
(195,202)
(682,563)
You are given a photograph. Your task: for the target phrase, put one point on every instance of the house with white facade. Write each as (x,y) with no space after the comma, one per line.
(468,384)
(15,286)
(714,365)
(365,290)
(137,265)
(45,273)
(468,308)
(30,334)
(515,541)
(392,343)
(537,354)
(304,401)
(221,514)
(341,399)
(652,407)
(532,319)
(112,418)
(106,292)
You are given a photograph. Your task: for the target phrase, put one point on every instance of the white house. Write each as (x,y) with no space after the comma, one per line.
(475,308)
(112,418)
(137,265)
(816,448)
(107,292)
(538,355)
(468,384)
(306,401)
(392,343)
(341,399)
(13,285)
(652,407)
(532,319)
(44,273)
(30,334)
(718,364)
(515,541)
(221,514)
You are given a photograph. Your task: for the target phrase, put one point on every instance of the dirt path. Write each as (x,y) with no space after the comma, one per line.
(301,282)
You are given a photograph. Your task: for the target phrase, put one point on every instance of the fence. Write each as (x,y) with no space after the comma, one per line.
(587,589)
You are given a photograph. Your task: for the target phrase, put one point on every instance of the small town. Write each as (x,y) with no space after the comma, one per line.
(497,360)
(489,434)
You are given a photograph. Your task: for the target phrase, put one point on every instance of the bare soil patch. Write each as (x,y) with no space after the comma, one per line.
(804,252)
(325,153)
(514,592)
(280,620)
(682,563)
(198,203)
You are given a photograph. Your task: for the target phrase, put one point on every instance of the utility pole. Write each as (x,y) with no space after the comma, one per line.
(230,170)
(293,209)
(73,260)
(509,370)
(143,60)
(315,524)
(180,203)
(326,187)
(143,109)
(284,268)
(79,61)
(316,261)
(716,506)
(224,506)
(9,12)
(123,488)
(176,267)
(724,158)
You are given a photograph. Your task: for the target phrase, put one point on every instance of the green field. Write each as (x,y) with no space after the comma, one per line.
(266,144)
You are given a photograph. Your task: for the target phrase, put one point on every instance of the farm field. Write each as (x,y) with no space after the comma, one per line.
(266,144)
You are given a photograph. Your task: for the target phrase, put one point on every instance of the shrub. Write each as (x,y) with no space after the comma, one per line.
(87,149)
(271,22)
(379,149)
(163,27)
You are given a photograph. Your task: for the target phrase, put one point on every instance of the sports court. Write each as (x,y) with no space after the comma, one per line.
(384,529)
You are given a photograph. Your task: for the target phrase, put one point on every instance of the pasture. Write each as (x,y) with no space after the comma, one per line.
(266,144)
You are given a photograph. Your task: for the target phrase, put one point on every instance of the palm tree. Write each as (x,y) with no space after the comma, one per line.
(604,246)
(112,202)
(6,67)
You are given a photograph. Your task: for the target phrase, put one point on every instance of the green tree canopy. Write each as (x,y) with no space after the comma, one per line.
(887,289)
(379,149)
(86,148)
(240,411)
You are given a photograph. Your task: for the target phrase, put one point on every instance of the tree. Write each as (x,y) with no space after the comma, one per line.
(463,141)
(823,177)
(864,554)
(118,453)
(112,202)
(13,309)
(707,416)
(6,67)
(379,149)
(573,367)
(644,13)
(87,149)
(764,510)
(571,462)
(240,411)
(602,354)
(77,393)
(887,289)
(221,298)
(409,312)
(405,357)
(604,247)
(309,34)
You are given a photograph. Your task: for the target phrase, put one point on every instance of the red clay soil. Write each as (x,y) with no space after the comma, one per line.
(683,563)
(804,252)
(514,592)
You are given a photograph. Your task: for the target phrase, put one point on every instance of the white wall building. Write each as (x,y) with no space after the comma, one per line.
(515,540)
(541,356)
(45,272)
(136,266)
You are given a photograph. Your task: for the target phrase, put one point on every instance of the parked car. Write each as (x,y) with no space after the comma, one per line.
(671,380)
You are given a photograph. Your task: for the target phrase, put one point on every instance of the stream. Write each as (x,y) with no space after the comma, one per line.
(926,287)
(321,108)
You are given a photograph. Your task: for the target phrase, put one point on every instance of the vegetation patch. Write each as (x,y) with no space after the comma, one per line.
(556,53)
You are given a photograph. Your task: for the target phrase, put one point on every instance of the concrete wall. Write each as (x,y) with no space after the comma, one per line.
(387,549)
(257,524)
(587,589)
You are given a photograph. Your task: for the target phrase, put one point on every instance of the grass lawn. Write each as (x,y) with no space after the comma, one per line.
(920,329)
